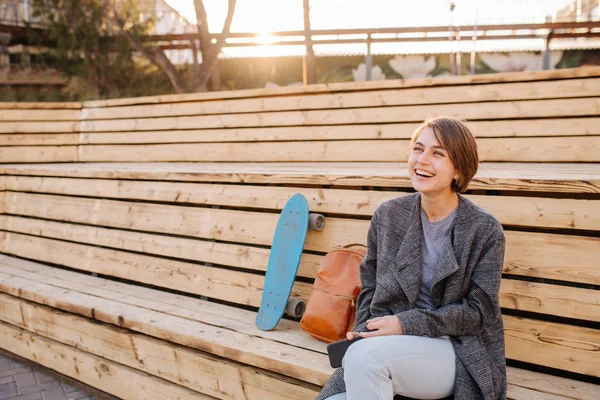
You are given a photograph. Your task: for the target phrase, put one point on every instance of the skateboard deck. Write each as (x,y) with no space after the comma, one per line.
(286,251)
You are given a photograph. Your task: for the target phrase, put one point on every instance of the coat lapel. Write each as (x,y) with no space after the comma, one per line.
(445,266)
(407,264)
(447,263)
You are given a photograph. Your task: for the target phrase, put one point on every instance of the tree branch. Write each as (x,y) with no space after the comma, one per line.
(154,54)
(210,52)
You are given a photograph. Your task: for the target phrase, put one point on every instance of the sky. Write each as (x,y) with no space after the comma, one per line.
(265,16)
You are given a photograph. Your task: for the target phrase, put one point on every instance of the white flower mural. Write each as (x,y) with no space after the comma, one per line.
(413,66)
(515,62)
(360,73)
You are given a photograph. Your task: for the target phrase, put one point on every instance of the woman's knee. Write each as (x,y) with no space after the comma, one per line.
(358,355)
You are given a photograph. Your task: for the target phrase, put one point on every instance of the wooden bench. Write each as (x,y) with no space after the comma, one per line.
(172,202)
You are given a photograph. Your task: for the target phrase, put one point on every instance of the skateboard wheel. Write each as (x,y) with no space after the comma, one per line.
(295,308)
(316,222)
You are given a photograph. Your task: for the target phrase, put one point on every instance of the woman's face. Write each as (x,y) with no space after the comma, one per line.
(429,166)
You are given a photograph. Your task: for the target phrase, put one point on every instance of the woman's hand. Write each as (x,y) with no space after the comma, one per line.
(382,326)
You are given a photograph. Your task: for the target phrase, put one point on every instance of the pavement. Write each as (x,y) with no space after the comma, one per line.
(23,381)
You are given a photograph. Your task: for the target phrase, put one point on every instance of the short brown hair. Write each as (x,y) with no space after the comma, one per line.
(460,144)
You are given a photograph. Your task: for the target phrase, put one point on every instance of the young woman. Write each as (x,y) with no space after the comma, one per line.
(429,305)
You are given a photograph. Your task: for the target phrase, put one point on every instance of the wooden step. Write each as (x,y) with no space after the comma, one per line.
(552,108)
(571,88)
(182,366)
(573,149)
(548,127)
(541,177)
(97,372)
(527,340)
(510,210)
(506,77)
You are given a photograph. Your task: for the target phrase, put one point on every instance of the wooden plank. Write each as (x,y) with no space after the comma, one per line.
(575,149)
(97,372)
(547,387)
(250,152)
(201,372)
(560,257)
(541,177)
(541,261)
(181,365)
(39,127)
(499,128)
(246,257)
(40,106)
(563,301)
(394,114)
(36,154)
(39,139)
(226,225)
(567,347)
(569,73)
(40,115)
(278,357)
(510,210)
(573,348)
(217,283)
(148,298)
(257,228)
(194,309)
(571,88)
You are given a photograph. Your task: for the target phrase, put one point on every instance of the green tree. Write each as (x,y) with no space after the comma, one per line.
(205,76)
(84,43)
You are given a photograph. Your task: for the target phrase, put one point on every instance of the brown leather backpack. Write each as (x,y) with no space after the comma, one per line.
(331,309)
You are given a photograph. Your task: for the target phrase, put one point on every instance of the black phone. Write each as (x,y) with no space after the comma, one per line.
(336,351)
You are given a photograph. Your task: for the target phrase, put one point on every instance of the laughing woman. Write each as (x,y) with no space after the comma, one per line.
(429,305)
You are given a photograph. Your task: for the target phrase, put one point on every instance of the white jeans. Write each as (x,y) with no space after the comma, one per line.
(413,366)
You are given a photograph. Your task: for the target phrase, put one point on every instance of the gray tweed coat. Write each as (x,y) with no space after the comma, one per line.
(465,289)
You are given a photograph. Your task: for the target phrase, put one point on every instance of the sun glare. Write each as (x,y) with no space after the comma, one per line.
(263,17)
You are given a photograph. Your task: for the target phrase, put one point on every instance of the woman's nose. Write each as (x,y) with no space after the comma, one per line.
(424,157)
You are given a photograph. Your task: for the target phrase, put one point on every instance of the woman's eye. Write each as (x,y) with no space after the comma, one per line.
(439,153)
(417,149)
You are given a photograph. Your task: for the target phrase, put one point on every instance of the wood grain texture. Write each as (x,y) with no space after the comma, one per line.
(42,139)
(201,372)
(37,154)
(567,347)
(575,149)
(227,225)
(510,210)
(239,256)
(542,177)
(571,107)
(549,127)
(506,77)
(575,349)
(215,314)
(97,372)
(216,283)
(17,115)
(528,385)
(571,88)
(563,301)
(39,127)
(274,356)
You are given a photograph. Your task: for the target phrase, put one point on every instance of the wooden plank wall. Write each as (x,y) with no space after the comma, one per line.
(549,116)
(187,194)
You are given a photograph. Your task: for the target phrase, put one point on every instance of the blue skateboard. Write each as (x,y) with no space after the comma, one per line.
(286,251)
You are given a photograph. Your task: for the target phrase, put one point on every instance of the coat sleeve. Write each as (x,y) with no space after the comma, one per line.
(368,271)
(473,313)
